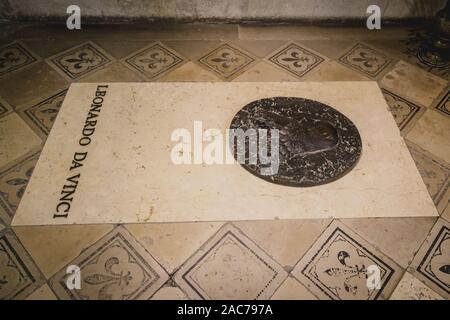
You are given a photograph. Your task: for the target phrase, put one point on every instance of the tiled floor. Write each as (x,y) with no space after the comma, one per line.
(304,259)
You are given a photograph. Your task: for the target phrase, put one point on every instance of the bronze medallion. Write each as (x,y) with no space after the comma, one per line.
(317,144)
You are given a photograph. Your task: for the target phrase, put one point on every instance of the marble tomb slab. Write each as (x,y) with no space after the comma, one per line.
(125,173)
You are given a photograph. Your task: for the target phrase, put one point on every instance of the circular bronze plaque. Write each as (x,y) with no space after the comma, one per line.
(317,144)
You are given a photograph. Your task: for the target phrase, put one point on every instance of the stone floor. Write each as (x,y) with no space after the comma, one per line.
(279,259)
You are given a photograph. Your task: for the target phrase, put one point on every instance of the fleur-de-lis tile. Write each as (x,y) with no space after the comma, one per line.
(4,107)
(296,59)
(13,181)
(15,56)
(342,266)
(403,110)
(42,115)
(444,104)
(79,61)
(116,267)
(432,263)
(154,61)
(230,266)
(19,276)
(365,60)
(227,61)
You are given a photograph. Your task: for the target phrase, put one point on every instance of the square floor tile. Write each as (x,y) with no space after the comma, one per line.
(13,181)
(117,267)
(413,83)
(188,72)
(334,71)
(291,289)
(16,139)
(432,263)
(80,61)
(435,175)
(43,293)
(15,56)
(42,115)
(366,60)
(404,111)
(264,71)
(230,266)
(339,263)
(227,61)
(409,288)
(5,108)
(295,59)
(444,104)
(170,291)
(430,132)
(18,275)
(154,60)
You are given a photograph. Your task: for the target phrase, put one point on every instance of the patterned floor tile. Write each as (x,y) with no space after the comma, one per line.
(291,289)
(404,111)
(284,240)
(80,61)
(16,139)
(53,247)
(5,108)
(409,288)
(366,60)
(444,104)
(430,132)
(15,56)
(227,61)
(432,263)
(398,238)
(43,293)
(413,83)
(435,175)
(295,59)
(31,85)
(339,264)
(230,266)
(189,72)
(173,243)
(18,274)
(42,115)
(13,181)
(154,61)
(115,268)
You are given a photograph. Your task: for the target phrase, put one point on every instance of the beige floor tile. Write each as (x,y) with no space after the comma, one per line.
(260,48)
(291,289)
(435,175)
(16,139)
(13,181)
(339,264)
(409,288)
(169,292)
(227,61)
(286,241)
(41,116)
(331,49)
(192,49)
(31,85)
(296,59)
(430,132)
(80,61)
(446,212)
(53,247)
(121,48)
(153,61)
(43,293)
(431,263)
(173,243)
(18,273)
(16,56)
(399,238)
(413,83)
(189,72)
(264,71)
(46,47)
(230,266)
(333,71)
(116,267)
(404,112)
(5,107)
(115,72)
